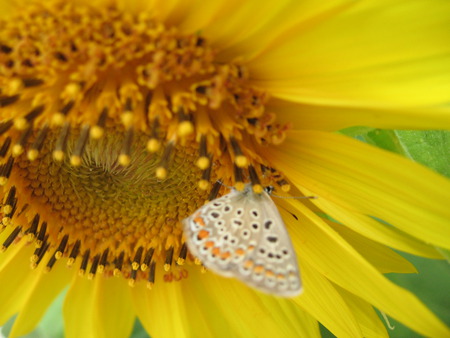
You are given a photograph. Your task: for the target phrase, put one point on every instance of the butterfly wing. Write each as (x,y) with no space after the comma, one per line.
(242,235)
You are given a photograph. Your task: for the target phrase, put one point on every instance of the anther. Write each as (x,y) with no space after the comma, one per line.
(124,157)
(161,170)
(75,158)
(59,118)
(94,267)
(8,100)
(103,261)
(285,186)
(5,170)
(19,147)
(214,191)
(6,220)
(182,255)
(12,236)
(147,259)
(206,177)
(154,144)
(238,179)
(61,142)
(137,258)
(62,246)
(151,275)
(35,257)
(239,158)
(9,202)
(132,279)
(38,257)
(98,130)
(84,262)
(256,184)
(169,257)
(41,235)
(119,264)
(4,126)
(32,82)
(23,123)
(203,161)
(127,116)
(32,230)
(74,253)
(5,49)
(185,125)
(37,145)
(5,147)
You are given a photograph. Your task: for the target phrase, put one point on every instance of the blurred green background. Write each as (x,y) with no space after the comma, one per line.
(431,284)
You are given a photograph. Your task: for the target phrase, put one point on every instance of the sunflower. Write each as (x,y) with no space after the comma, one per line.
(118,117)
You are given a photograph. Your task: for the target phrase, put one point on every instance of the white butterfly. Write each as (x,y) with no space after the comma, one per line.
(242,235)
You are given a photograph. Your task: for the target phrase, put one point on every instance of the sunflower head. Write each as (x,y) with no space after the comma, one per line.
(114,127)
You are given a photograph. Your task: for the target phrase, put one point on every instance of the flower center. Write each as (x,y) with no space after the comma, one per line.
(113,128)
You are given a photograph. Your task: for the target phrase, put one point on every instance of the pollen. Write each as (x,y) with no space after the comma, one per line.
(113,129)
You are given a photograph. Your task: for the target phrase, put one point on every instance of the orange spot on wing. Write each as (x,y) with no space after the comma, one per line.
(216,251)
(209,244)
(240,252)
(248,264)
(270,273)
(225,255)
(202,234)
(258,269)
(199,220)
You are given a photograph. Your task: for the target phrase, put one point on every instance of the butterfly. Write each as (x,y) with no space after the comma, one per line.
(242,235)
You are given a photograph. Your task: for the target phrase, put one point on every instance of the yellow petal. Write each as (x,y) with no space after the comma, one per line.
(380,256)
(329,254)
(248,313)
(322,301)
(268,28)
(332,118)
(15,277)
(371,228)
(162,311)
(113,311)
(39,295)
(368,320)
(78,309)
(374,54)
(368,180)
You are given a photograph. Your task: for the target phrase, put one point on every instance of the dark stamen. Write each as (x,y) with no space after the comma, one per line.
(74,253)
(75,159)
(37,145)
(12,236)
(94,266)
(119,264)
(103,261)
(169,257)
(5,147)
(182,255)
(32,230)
(84,262)
(61,143)
(41,234)
(137,258)
(151,275)
(8,100)
(214,191)
(32,82)
(147,259)
(124,157)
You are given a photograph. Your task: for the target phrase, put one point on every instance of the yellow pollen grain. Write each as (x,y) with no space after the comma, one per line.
(180,261)
(58,119)
(241,161)
(21,123)
(203,184)
(58,155)
(286,187)
(127,119)
(96,132)
(153,145)
(32,154)
(75,160)
(239,186)
(185,128)
(203,163)
(3,181)
(17,150)
(258,188)
(124,160)
(161,173)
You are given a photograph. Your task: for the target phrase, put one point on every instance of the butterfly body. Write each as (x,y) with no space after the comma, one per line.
(242,235)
